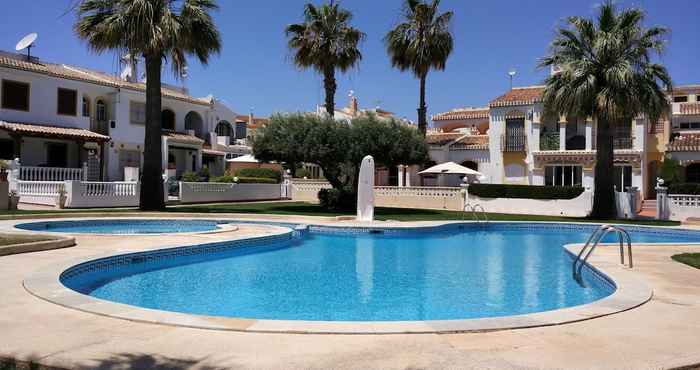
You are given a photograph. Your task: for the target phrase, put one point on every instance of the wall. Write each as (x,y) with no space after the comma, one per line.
(307,190)
(81,194)
(682,207)
(577,207)
(418,197)
(205,192)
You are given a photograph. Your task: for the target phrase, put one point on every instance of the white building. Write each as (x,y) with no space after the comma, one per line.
(56,115)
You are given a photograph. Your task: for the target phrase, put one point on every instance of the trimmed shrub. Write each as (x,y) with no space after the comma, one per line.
(302,172)
(337,200)
(267,173)
(525,191)
(684,188)
(190,177)
(225,179)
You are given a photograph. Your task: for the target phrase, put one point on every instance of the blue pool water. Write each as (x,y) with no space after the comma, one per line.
(123,226)
(451,273)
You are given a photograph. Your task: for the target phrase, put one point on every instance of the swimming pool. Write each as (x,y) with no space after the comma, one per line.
(335,274)
(124,226)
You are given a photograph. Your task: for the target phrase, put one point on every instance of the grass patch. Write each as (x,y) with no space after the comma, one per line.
(6,239)
(690,259)
(308,209)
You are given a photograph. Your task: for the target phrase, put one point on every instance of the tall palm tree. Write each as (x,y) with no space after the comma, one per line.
(420,43)
(325,41)
(607,73)
(158,30)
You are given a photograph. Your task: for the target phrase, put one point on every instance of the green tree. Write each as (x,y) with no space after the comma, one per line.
(325,41)
(421,42)
(158,30)
(607,73)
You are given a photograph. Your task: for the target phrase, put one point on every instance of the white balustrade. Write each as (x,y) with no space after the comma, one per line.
(682,206)
(208,192)
(51,173)
(39,192)
(418,197)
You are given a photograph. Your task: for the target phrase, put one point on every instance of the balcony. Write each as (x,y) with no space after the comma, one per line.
(513,143)
(686,109)
(622,143)
(549,141)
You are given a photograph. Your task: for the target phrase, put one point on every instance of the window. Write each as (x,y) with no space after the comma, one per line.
(623,178)
(15,95)
(129,158)
(56,155)
(86,107)
(67,102)
(7,149)
(100,111)
(224,129)
(563,175)
(686,125)
(137,113)
(680,99)
(167,119)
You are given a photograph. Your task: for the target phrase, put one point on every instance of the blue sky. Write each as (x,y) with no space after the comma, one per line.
(254,71)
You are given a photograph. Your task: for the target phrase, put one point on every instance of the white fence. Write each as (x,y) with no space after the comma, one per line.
(83,194)
(419,197)
(208,192)
(307,190)
(577,207)
(52,173)
(682,207)
(39,192)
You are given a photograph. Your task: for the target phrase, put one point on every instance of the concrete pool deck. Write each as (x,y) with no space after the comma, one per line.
(662,333)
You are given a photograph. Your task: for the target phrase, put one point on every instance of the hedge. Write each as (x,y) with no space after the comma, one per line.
(244,180)
(267,173)
(525,191)
(684,188)
(337,200)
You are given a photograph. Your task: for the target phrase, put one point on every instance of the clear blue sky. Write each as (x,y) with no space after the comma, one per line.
(254,71)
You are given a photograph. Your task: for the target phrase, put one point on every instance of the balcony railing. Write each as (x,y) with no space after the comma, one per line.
(622,143)
(549,141)
(513,143)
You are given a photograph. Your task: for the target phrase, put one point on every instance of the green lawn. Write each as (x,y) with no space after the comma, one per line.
(308,209)
(690,259)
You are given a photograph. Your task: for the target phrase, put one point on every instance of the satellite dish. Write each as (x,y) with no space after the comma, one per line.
(26,43)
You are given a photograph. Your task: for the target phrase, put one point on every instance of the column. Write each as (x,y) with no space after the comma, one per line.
(589,134)
(407,178)
(102,161)
(562,133)
(400,176)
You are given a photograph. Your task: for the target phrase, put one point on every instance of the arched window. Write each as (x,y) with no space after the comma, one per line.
(86,107)
(692,173)
(223,128)
(101,111)
(193,121)
(167,119)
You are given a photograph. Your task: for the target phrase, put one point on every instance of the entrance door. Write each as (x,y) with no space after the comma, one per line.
(652,174)
(56,155)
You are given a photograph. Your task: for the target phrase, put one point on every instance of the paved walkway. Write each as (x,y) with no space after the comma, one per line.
(663,333)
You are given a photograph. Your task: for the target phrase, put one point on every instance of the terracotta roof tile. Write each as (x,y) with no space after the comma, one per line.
(31,129)
(519,96)
(442,138)
(474,141)
(257,121)
(87,75)
(460,114)
(183,138)
(685,143)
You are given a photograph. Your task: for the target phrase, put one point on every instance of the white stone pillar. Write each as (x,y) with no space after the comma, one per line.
(400,175)
(589,135)
(407,178)
(562,134)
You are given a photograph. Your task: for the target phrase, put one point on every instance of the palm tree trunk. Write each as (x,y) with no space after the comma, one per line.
(604,204)
(422,109)
(152,178)
(330,86)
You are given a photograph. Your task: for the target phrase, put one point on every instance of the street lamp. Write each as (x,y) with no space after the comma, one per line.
(511,73)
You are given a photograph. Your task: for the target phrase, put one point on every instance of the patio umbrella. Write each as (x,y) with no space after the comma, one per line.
(450,168)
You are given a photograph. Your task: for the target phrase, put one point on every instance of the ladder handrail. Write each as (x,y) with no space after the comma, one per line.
(477,210)
(595,238)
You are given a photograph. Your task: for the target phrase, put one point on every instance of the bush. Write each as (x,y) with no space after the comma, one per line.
(226,179)
(337,200)
(525,191)
(684,188)
(190,177)
(302,173)
(267,173)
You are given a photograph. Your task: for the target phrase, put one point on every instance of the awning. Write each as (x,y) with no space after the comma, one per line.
(52,132)
(450,168)
(244,158)
(182,138)
(206,151)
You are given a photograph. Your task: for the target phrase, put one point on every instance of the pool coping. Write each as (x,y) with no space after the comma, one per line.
(221,228)
(631,292)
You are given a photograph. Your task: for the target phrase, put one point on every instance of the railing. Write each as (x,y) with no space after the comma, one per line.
(549,141)
(595,238)
(679,200)
(622,143)
(51,173)
(419,191)
(418,197)
(478,212)
(513,143)
(39,192)
(108,189)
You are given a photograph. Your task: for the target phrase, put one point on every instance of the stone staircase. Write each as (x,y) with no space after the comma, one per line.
(648,208)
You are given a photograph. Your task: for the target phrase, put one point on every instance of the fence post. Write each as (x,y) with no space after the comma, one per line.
(84,174)
(662,211)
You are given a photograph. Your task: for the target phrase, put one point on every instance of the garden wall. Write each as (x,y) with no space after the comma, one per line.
(208,192)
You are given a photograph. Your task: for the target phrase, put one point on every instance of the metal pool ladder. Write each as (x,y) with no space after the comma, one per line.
(592,243)
(478,212)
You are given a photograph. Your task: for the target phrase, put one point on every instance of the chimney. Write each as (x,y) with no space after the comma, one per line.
(354,106)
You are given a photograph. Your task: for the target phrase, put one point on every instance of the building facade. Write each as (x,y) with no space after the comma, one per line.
(61,116)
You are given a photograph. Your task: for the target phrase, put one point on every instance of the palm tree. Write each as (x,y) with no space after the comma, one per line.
(607,73)
(325,41)
(420,43)
(158,30)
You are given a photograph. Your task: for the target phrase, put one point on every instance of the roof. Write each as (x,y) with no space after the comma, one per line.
(257,121)
(39,130)
(690,108)
(686,89)
(685,143)
(182,138)
(461,114)
(519,96)
(15,61)
(476,142)
(442,138)
(213,152)
(450,168)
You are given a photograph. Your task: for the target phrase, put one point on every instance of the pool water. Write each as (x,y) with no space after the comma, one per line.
(498,270)
(123,226)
